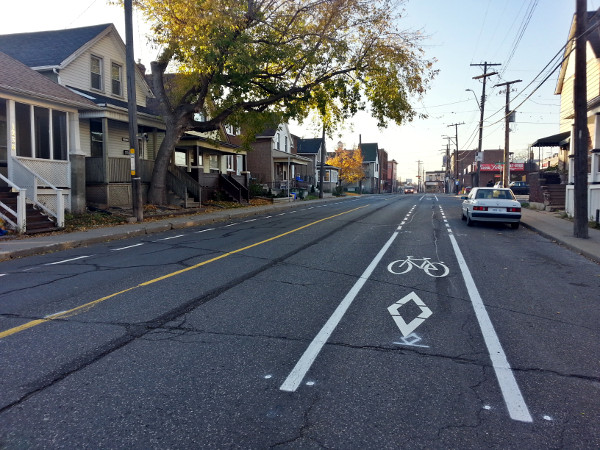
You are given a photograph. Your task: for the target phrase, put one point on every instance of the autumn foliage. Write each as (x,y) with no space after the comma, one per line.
(350,165)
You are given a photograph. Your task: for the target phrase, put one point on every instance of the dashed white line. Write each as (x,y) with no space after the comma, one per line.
(66,260)
(125,248)
(169,238)
(202,231)
(230,225)
(250,220)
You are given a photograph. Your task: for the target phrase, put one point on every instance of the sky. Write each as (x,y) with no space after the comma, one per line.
(523,36)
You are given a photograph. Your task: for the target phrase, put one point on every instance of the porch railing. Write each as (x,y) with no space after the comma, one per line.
(182,184)
(26,179)
(234,188)
(118,170)
(8,214)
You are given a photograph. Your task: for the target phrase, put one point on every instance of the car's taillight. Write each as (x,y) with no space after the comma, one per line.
(480,208)
(513,209)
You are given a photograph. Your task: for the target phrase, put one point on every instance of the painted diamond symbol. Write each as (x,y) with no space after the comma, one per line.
(408,328)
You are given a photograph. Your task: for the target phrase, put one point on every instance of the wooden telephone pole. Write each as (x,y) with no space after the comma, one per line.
(482,106)
(581,133)
(507,113)
(455,125)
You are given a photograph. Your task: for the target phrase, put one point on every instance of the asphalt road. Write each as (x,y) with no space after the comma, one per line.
(376,322)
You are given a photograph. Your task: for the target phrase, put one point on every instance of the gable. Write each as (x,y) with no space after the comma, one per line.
(369,152)
(18,79)
(48,48)
(309,146)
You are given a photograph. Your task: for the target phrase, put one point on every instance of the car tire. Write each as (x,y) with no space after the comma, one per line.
(469,220)
(514,225)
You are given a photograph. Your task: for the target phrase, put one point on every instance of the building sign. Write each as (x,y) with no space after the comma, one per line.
(498,167)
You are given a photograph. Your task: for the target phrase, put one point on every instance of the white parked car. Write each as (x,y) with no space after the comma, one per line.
(486,204)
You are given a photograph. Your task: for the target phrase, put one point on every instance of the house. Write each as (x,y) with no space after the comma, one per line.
(565,88)
(90,61)
(391,183)
(312,149)
(206,166)
(40,146)
(273,163)
(383,169)
(370,153)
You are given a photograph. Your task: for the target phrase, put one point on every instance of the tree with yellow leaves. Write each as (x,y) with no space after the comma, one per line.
(350,164)
(246,60)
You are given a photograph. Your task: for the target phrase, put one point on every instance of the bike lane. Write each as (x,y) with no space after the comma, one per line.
(412,353)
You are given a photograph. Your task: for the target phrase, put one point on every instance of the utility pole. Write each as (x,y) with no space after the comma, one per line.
(136,181)
(455,125)
(419,189)
(480,145)
(507,113)
(322,163)
(581,133)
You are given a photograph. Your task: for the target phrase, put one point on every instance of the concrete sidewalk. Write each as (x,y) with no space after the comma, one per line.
(548,224)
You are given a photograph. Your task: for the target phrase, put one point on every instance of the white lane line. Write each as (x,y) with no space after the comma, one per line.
(292,212)
(305,362)
(125,248)
(66,260)
(249,220)
(203,231)
(2,274)
(268,217)
(169,238)
(230,225)
(282,214)
(517,409)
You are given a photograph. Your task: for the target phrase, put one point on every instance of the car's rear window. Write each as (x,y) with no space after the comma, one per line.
(494,193)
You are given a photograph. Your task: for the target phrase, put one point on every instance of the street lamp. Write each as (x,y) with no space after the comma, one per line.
(475,95)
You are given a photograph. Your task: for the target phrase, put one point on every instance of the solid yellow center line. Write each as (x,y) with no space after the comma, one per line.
(89,305)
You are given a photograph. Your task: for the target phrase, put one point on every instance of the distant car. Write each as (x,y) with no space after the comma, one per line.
(519,188)
(409,190)
(485,204)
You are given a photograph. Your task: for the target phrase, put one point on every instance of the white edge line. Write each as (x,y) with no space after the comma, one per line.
(517,409)
(2,274)
(66,260)
(303,365)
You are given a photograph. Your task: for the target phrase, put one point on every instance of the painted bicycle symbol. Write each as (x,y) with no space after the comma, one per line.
(433,269)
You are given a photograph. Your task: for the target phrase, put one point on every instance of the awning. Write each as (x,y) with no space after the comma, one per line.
(556,140)
(283,157)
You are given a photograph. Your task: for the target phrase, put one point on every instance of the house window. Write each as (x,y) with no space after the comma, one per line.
(116,79)
(278,147)
(23,129)
(96,73)
(286,144)
(230,163)
(3,133)
(96,138)
(59,135)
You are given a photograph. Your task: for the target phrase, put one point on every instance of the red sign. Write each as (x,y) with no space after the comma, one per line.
(514,167)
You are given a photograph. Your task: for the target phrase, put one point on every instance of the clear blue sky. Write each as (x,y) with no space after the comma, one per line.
(459,33)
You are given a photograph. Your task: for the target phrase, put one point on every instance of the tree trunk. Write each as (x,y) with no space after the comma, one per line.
(157,193)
